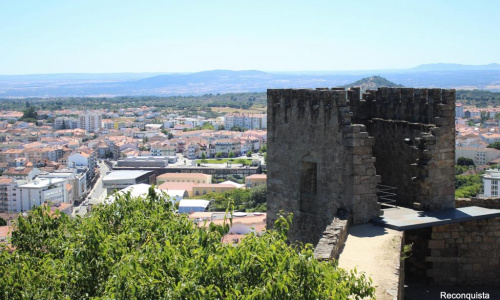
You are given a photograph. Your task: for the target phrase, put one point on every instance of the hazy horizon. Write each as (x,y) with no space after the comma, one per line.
(267,71)
(61,37)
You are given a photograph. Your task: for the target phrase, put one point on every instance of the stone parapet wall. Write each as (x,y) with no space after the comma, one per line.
(332,241)
(481,202)
(466,253)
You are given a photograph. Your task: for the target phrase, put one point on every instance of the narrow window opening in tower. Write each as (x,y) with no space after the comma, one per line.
(309,178)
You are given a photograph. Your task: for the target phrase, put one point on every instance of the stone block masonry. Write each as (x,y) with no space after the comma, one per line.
(414,133)
(329,148)
(318,162)
(333,239)
(466,253)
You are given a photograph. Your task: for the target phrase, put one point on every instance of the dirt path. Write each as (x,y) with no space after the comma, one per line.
(376,251)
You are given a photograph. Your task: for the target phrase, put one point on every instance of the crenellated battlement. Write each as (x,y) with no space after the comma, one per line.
(309,106)
(426,106)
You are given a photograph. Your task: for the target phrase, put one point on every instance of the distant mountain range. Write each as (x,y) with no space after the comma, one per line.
(455,67)
(226,81)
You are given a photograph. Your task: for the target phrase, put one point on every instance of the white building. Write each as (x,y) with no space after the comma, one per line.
(108,124)
(78,181)
(170,123)
(8,201)
(490,137)
(481,156)
(162,149)
(249,121)
(193,205)
(459,110)
(192,151)
(83,159)
(66,123)
(90,121)
(39,191)
(490,182)
(226,146)
(154,127)
(195,122)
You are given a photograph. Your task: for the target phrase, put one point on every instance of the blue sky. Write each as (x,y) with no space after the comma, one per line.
(105,36)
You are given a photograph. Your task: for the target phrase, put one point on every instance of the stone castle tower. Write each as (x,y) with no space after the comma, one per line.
(328,149)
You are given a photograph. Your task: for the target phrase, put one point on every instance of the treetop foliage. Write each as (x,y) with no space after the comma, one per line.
(464,161)
(495,145)
(139,248)
(187,103)
(467,186)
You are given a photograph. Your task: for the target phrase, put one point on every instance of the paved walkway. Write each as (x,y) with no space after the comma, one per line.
(375,251)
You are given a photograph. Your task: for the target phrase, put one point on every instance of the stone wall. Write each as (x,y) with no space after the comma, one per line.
(416,265)
(481,202)
(414,142)
(329,148)
(466,253)
(318,162)
(333,239)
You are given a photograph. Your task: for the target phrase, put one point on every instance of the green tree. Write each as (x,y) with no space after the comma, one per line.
(467,186)
(208,126)
(108,154)
(484,116)
(463,161)
(218,155)
(231,154)
(139,248)
(460,169)
(204,158)
(29,114)
(258,196)
(249,153)
(495,145)
(3,222)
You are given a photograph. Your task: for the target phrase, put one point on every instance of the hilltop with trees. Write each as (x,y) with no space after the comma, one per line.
(373,83)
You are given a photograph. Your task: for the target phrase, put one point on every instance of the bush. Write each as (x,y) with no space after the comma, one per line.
(495,145)
(467,186)
(138,248)
(460,169)
(463,161)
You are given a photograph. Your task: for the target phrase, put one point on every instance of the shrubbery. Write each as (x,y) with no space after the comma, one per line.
(467,186)
(140,249)
(249,200)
